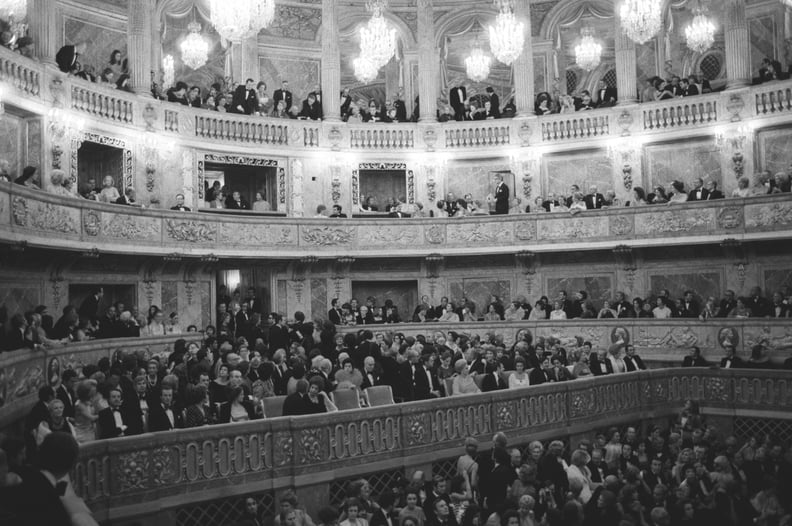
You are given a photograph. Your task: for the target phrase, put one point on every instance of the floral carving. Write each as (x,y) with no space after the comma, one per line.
(477,233)
(505,416)
(434,234)
(92,224)
(129,228)
(326,236)
(162,467)
(621,225)
(190,231)
(133,470)
(390,236)
(53,218)
(582,404)
(717,389)
(575,228)
(525,231)
(310,446)
(769,215)
(20,211)
(675,222)
(284,450)
(415,430)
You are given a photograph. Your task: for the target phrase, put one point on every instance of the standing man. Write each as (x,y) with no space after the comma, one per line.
(457,98)
(494,102)
(501,196)
(283,94)
(245,99)
(90,305)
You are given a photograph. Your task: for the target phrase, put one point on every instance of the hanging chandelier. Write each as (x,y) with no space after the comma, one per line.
(588,52)
(240,19)
(507,36)
(641,19)
(15,10)
(477,64)
(700,34)
(365,70)
(377,41)
(194,48)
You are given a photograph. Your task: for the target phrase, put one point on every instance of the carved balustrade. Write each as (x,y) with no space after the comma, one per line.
(45,86)
(43,219)
(681,112)
(24,371)
(178,467)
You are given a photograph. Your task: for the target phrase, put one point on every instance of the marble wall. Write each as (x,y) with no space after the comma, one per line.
(587,168)
(101,40)
(480,290)
(599,288)
(320,303)
(20,297)
(762,35)
(302,73)
(703,284)
(11,128)
(463,177)
(775,150)
(775,279)
(682,161)
(404,294)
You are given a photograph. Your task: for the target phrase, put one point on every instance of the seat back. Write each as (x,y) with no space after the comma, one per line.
(379,395)
(346,399)
(479,380)
(272,406)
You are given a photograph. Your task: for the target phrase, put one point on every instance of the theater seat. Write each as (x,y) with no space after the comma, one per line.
(272,406)
(479,379)
(379,395)
(346,399)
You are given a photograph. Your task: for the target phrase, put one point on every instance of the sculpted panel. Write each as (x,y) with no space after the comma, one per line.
(244,234)
(652,337)
(773,337)
(569,228)
(327,236)
(477,233)
(4,208)
(130,227)
(53,218)
(768,215)
(404,235)
(674,221)
(191,231)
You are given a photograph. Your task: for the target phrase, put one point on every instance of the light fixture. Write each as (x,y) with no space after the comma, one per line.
(194,48)
(240,19)
(507,36)
(365,70)
(168,71)
(641,19)
(377,41)
(700,34)
(477,64)
(588,52)
(15,10)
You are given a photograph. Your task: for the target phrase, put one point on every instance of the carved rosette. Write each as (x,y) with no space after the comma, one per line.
(730,218)
(416,430)
(525,231)
(504,415)
(92,224)
(310,446)
(20,211)
(434,234)
(132,470)
(621,225)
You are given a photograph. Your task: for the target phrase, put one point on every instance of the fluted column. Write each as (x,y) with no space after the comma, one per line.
(43,29)
(331,62)
(626,72)
(524,66)
(738,67)
(428,63)
(244,60)
(139,14)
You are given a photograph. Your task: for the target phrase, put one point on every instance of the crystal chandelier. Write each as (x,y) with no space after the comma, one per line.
(239,19)
(588,52)
(15,10)
(377,41)
(507,36)
(641,19)
(477,64)
(194,48)
(365,70)
(700,34)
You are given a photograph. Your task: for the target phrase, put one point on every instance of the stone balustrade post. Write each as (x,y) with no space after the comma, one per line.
(139,14)
(428,64)
(331,62)
(524,66)
(738,66)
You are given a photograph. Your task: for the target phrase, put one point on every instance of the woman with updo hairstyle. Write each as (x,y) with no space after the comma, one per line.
(238,408)
(85,416)
(639,196)
(463,383)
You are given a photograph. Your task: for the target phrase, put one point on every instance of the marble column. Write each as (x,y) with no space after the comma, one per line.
(43,29)
(626,71)
(331,62)
(244,61)
(524,66)
(428,63)
(139,15)
(738,66)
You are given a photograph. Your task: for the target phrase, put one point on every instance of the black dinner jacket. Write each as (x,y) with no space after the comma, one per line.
(158,419)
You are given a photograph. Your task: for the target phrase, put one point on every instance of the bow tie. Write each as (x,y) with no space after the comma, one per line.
(116,409)
(60,488)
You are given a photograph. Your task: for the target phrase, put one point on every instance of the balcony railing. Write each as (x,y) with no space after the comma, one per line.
(43,219)
(177,467)
(45,85)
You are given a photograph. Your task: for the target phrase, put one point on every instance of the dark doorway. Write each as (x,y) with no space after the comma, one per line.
(248,181)
(403,294)
(126,294)
(380,186)
(97,161)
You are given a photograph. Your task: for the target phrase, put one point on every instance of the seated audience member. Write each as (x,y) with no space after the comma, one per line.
(585,102)
(337,212)
(781,183)
(260,204)
(178,93)
(29,178)
(311,108)
(109,193)
(67,56)
(679,195)
(235,201)
(742,189)
(605,95)
(712,190)
(180,204)
(57,181)
(129,198)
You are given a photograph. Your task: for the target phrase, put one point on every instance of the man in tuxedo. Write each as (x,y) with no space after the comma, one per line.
(690,307)
(67,56)
(413,376)
(688,89)
(337,212)
(494,102)
(253,303)
(334,314)
(443,515)
(65,391)
(605,95)
(251,516)
(294,404)
(162,416)
(699,193)
(712,190)
(457,97)
(89,308)
(129,198)
(283,94)
(694,359)
(346,101)
(731,360)
(370,376)
(542,374)
(727,304)
(244,100)
(501,196)
(632,361)
(760,306)
(599,470)
(594,200)
(180,204)
(624,308)
(113,422)
(492,379)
